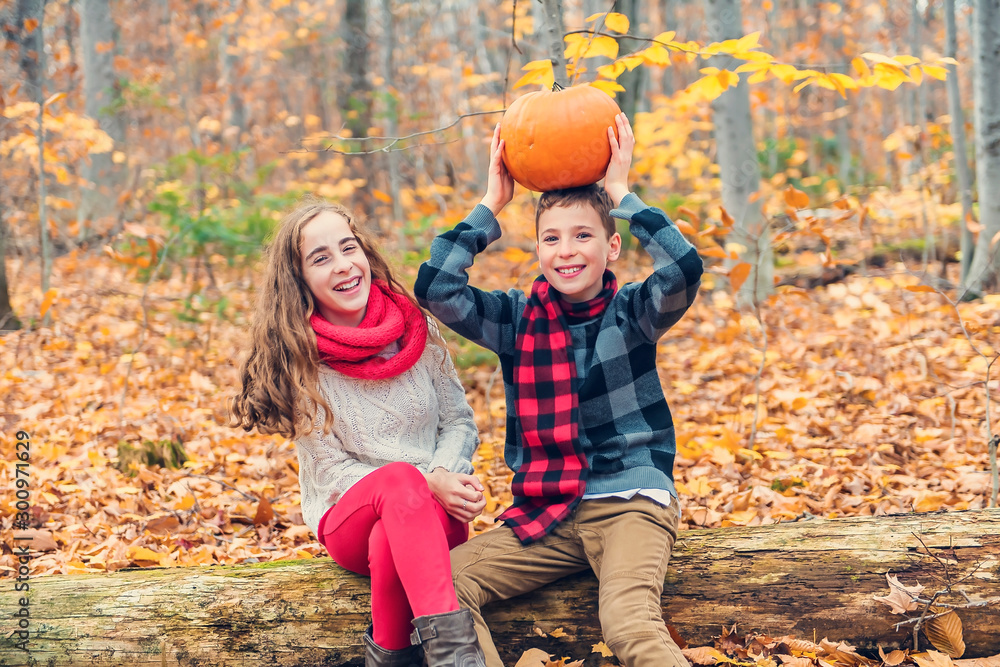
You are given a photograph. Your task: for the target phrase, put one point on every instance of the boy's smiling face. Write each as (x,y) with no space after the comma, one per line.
(574,250)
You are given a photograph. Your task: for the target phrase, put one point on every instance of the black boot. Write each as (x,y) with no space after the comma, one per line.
(376,656)
(449,639)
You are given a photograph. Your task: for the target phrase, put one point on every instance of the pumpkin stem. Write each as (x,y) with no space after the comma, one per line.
(556,86)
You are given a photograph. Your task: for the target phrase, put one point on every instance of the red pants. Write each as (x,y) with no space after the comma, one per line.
(389,526)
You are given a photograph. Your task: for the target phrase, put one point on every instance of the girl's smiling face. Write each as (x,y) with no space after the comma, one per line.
(335,269)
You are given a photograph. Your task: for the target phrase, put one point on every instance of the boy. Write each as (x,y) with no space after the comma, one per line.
(589,433)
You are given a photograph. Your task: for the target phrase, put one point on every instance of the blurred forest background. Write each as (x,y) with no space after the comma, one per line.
(841,185)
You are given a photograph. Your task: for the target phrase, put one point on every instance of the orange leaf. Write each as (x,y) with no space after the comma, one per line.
(920,288)
(945,633)
(686,227)
(30,25)
(264,512)
(713,251)
(47,300)
(796,198)
(727,220)
(692,216)
(738,275)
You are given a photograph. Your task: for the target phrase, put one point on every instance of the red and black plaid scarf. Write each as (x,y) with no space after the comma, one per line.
(553,473)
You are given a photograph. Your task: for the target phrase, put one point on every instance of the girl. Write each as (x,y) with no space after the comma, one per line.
(342,361)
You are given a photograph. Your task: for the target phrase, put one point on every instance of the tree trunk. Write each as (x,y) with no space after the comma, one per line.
(231,69)
(552,34)
(356,102)
(101,93)
(811,579)
(737,158)
(8,318)
(957,113)
(984,274)
(633,82)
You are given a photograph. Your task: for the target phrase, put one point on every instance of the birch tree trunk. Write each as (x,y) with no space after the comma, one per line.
(984,273)
(391,110)
(356,99)
(962,171)
(101,94)
(552,35)
(737,158)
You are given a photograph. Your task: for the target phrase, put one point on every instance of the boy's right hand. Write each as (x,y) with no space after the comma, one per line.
(500,186)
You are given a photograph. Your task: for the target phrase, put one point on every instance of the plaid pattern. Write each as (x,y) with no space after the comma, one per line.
(553,476)
(625,428)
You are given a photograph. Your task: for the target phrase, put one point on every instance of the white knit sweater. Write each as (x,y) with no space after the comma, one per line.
(419,417)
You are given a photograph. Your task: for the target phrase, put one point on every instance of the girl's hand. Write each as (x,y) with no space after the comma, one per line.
(616,178)
(500,185)
(461,495)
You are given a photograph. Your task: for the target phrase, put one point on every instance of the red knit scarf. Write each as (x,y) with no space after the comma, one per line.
(553,475)
(354,351)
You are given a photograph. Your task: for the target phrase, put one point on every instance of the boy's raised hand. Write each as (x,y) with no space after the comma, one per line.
(616,178)
(500,185)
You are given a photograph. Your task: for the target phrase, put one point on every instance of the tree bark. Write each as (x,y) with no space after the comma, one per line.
(8,318)
(810,579)
(101,94)
(553,32)
(984,274)
(957,113)
(737,158)
(356,101)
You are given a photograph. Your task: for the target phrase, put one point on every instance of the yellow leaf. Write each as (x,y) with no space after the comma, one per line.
(543,64)
(47,300)
(602,648)
(610,87)
(728,79)
(138,554)
(935,72)
(845,81)
(576,44)
(631,62)
(602,45)
(786,73)
(656,55)
(185,503)
(861,67)
(665,37)
(617,22)
(916,74)
(612,71)
(558,632)
(905,60)
(539,76)
(748,42)
(738,275)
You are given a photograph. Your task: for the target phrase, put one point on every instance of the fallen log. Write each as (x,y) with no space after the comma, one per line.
(811,579)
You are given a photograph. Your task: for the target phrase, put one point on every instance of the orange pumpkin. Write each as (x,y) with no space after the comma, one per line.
(559,138)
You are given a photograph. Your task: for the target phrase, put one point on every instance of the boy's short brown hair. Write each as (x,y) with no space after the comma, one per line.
(593,196)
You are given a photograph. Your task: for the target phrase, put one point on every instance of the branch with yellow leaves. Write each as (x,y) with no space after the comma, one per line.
(887,72)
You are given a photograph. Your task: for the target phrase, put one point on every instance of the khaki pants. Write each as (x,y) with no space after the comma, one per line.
(626,543)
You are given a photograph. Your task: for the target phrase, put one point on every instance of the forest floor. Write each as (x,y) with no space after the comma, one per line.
(866,396)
